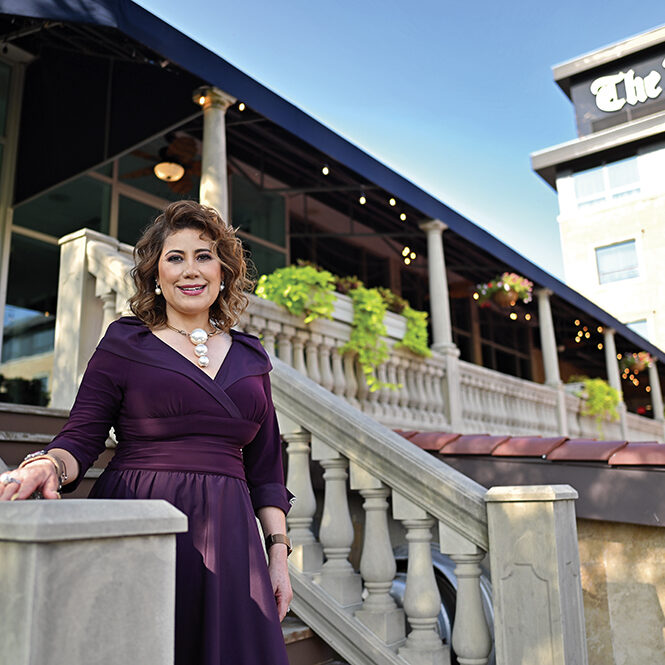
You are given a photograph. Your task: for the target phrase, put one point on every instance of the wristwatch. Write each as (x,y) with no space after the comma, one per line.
(278,538)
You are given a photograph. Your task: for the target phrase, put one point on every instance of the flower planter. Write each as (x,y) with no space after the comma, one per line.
(505,298)
(395,324)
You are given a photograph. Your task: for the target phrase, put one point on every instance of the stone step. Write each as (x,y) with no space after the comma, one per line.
(304,646)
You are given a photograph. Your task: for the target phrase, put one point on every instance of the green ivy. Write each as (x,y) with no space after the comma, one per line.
(367,332)
(600,400)
(302,290)
(415,338)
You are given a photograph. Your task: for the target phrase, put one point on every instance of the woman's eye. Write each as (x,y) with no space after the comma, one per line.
(204,257)
(174,258)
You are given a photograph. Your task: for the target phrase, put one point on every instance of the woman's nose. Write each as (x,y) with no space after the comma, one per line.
(190,269)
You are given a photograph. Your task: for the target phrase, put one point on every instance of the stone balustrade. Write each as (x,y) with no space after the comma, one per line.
(400,484)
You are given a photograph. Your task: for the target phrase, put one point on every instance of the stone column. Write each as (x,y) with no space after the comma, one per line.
(442,334)
(537,593)
(214,188)
(656,394)
(551,356)
(613,376)
(76,574)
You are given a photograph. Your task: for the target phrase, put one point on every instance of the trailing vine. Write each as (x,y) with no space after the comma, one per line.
(367,332)
(302,290)
(600,400)
(415,338)
(308,290)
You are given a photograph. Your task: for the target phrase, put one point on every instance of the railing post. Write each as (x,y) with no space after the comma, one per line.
(77,331)
(307,554)
(472,641)
(337,576)
(76,574)
(422,601)
(377,564)
(538,610)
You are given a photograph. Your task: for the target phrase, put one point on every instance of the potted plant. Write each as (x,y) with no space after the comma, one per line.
(600,400)
(505,290)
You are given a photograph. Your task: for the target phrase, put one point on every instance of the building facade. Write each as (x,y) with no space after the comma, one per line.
(610,182)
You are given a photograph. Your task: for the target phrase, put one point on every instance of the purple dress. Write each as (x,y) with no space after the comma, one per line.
(211,448)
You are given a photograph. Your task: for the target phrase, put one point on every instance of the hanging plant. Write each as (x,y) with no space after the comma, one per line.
(600,400)
(635,362)
(415,338)
(302,290)
(505,290)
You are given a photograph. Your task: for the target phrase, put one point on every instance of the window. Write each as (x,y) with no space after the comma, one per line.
(640,327)
(617,262)
(606,183)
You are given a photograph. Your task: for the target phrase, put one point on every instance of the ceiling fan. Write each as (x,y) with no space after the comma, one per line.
(177,163)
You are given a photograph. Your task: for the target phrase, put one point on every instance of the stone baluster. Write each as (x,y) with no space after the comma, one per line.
(422,601)
(307,553)
(285,344)
(312,353)
(440,407)
(382,393)
(109,313)
(393,395)
(339,383)
(404,390)
(420,389)
(471,637)
(428,386)
(351,392)
(377,564)
(299,352)
(324,363)
(269,334)
(255,325)
(337,576)
(363,390)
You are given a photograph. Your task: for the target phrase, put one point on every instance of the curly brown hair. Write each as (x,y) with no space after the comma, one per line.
(232,301)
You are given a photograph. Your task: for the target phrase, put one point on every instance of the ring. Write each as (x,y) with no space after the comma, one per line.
(6,479)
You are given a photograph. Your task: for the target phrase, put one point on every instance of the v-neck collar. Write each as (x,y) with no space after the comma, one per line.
(196,367)
(130,338)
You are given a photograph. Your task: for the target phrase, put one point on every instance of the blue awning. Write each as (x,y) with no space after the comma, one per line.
(149,30)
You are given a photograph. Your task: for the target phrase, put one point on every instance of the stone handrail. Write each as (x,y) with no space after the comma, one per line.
(319,426)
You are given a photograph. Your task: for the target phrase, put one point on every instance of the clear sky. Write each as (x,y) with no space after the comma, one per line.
(453,95)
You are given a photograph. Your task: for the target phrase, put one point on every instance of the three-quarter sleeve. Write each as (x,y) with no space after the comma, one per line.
(262,458)
(94,412)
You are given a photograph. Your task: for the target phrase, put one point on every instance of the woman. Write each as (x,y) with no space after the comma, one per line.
(190,402)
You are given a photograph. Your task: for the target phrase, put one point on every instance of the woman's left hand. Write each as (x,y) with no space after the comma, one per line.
(279,578)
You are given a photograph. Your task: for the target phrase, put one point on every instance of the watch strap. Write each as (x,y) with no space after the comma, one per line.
(274,538)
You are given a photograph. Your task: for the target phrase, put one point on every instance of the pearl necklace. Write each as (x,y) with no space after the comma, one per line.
(198,337)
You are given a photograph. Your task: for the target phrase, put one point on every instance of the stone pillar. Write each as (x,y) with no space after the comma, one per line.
(551,356)
(656,394)
(442,334)
(537,594)
(80,315)
(76,574)
(214,188)
(613,376)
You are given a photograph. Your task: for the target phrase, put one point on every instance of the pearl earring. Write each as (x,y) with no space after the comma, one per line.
(221,286)
(158,291)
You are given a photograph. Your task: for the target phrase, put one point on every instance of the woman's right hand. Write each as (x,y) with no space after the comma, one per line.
(39,475)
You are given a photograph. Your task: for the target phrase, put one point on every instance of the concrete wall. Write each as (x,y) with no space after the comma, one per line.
(623,582)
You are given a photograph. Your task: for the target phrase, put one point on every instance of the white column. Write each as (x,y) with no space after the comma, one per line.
(442,335)
(613,377)
(214,189)
(656,394)
(551,356)
(547,338)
